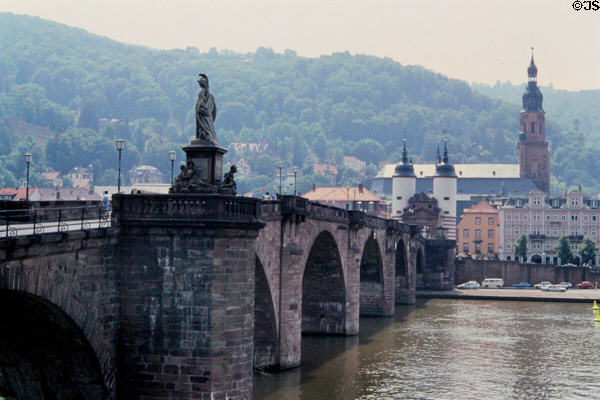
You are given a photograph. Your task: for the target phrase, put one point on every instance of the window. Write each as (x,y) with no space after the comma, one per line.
(585,231)
(573,217)
(547,245)
(478,233)
(593,233)
(536,201)
(555,203)
(516,230)
(555,217)
(563,217)
(547,231)
(547,217)
(399,197)
(535,245)
(490,233)
(574,202)
(465,247)
(536,217)
(466,233)
(525,217)
(563,231)
(477,247)
(555,231)
(525,230)
(491,220)
(508,216)
(508,246)
(490,247)
(532,125)
(593,217)
(477,220)
(585,217)
(446,198)
(517,216)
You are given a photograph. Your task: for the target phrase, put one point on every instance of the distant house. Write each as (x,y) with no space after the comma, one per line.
(83,183)
(327,170)
(422,210)
(80,173)
(260,147)
(52,194)
(354,163)
(478,230)
(17,194)
(146,174)
(52,178)
(349,198)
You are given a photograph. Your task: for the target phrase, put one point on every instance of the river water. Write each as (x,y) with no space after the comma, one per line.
(451,349)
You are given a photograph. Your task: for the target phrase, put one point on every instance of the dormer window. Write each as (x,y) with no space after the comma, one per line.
(574,202)
(537,201)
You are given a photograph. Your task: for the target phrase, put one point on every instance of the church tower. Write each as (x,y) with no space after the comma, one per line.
(534,156)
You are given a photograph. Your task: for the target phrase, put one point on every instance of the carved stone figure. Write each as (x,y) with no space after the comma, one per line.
(206,113)
(188,181)
(229,186)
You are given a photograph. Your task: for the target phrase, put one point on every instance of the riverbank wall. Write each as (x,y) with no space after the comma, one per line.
(515,272)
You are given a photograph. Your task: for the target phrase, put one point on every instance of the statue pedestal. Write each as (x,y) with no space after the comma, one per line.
(208,161)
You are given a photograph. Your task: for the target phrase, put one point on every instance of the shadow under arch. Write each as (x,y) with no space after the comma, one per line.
(371,279)
(265,325)
(43,353)
(420,262)
(401,272)
(323,289)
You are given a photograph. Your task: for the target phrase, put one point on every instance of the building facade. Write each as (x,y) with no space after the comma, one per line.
(478,231)
(544,219)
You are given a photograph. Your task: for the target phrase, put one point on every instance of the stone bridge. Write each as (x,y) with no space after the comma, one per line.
(185,295)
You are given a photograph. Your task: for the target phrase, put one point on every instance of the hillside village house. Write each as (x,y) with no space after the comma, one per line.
(543,219)
(354,163)
(327,170)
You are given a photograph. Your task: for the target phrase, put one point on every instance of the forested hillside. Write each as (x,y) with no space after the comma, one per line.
(65,95)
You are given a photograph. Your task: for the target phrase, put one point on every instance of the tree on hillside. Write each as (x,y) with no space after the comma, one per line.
(588,250)
(521,247)
(563,249)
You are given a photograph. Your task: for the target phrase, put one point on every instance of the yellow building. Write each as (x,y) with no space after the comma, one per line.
(478,231)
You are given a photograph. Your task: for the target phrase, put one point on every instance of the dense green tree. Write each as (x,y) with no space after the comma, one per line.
(521,247)
(563,249)
(588,251)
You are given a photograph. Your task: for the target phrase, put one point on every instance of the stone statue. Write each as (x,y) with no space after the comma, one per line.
(188,181)
(229,186)
(206,113)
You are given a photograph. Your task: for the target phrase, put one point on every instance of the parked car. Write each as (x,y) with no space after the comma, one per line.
(566,284)
(492,283)
(585,285)
(570,265)
(554,288)
(469,285)
(521,284)
(542,284)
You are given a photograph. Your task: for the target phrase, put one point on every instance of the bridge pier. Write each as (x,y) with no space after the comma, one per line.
(187,296)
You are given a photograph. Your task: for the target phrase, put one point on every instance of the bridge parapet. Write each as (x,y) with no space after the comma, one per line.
(182,208)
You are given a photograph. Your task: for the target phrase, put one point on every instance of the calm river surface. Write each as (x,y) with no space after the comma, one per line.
(451,349)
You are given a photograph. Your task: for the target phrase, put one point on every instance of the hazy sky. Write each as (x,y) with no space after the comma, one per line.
(473,40)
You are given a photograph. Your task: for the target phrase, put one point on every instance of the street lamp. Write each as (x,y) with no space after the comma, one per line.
(27,161)
(280,165)
(172,157)
(120,143)
(295,170)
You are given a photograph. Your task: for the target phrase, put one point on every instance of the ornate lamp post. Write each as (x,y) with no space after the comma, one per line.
(280,165)
(295,170)
(27,161)
(172,156)
(120,143)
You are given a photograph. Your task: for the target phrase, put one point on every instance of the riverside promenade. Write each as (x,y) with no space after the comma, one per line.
(515,294)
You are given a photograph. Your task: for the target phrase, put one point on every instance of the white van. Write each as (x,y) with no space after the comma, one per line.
(492,283)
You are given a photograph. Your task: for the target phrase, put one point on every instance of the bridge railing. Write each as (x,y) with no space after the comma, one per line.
(37,220)
(185,207)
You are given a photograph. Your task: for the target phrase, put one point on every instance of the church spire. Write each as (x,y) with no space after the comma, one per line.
(532,98)
(532,69)
(445,158)
(404,154)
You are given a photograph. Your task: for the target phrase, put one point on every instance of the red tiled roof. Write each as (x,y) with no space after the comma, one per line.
(340,194)
(482,207)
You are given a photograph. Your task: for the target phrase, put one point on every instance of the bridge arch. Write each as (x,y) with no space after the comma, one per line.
(420,263)
(401,272)
(265,323)
(323,288)
(371,278)
(43,353)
